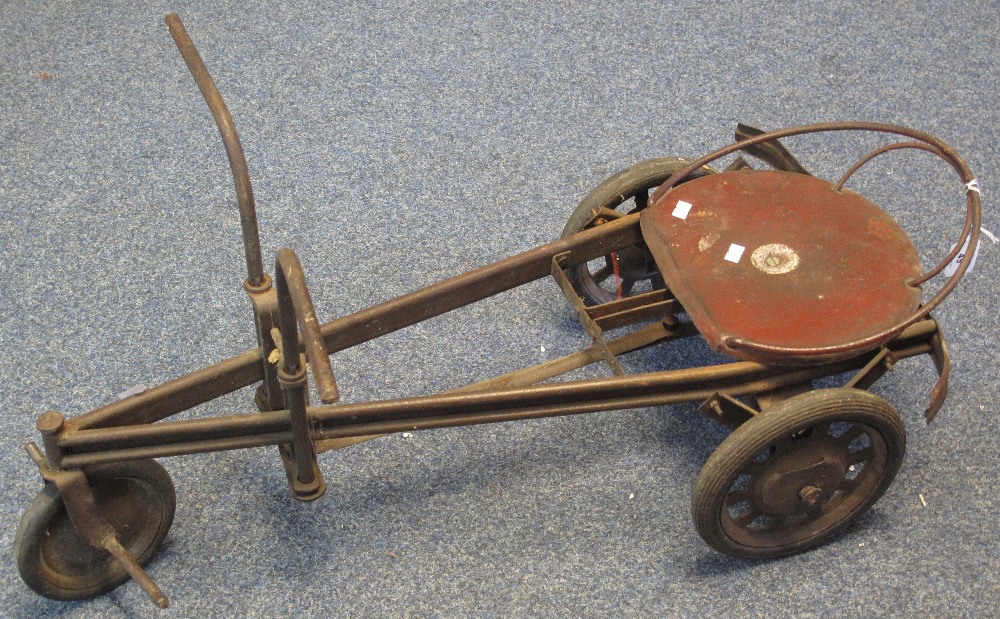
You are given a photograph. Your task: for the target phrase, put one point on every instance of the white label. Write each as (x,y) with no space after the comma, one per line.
(682,209)
(735,252)
(953,265)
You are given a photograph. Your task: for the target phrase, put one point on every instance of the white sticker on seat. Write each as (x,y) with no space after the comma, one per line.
(735,252)
(682,209)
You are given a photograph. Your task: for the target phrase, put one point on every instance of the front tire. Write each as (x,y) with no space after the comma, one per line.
(137,498)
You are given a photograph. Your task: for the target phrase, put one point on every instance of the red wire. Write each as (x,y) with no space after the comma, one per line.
(618,277)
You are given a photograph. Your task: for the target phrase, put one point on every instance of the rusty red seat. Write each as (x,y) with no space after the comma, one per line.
(781,268)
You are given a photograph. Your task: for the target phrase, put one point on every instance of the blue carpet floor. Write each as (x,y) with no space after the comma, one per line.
(395,143)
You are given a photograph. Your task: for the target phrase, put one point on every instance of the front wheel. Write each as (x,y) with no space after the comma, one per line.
(797,474)
(136,498)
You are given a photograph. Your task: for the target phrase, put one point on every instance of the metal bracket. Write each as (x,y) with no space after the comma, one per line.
(265,312)
(772,152)
(653,305)
(768,399)
(873,370)
(942,361)
(601,216)
(581,312)
(738,164)
(304,492)
(726,409)
(299,456)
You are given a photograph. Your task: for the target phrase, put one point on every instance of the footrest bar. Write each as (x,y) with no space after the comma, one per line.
(581,312)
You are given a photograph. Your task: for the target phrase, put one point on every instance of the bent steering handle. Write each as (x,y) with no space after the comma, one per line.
(234,149)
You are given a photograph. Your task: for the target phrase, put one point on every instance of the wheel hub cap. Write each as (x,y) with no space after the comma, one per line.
(793,486)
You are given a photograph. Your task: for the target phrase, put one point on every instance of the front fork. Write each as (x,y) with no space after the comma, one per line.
(270,394)
(275,390)
(78,498)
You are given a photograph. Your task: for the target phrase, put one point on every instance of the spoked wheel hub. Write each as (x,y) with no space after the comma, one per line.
(798,473)
(798,483)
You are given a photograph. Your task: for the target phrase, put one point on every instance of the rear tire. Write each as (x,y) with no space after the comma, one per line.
(626,192)
(798,474)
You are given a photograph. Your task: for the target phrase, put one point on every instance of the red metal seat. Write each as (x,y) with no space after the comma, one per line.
(781,268)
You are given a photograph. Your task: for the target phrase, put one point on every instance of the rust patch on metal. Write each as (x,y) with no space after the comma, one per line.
(708,240)
(825,267)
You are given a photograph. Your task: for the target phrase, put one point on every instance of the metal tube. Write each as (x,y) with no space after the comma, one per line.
(515,413)
(608,393)
(234,149)
(295,307)
(884,149)
(176,449)
(647,336)
(467,288)
(179,394)
(130,565)
(187,430)
(655,389)
(238,428)
(51,425)
(295,398)
(245,369)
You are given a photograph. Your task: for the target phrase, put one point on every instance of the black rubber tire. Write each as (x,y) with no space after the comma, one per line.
(137,498)
(737,473)
(611,194)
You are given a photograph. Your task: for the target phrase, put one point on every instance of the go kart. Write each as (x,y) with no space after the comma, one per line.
(794,278)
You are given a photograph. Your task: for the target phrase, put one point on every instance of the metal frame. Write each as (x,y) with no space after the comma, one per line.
(290,338)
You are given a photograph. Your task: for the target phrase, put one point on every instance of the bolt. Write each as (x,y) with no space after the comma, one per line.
(50,423)
(810,495)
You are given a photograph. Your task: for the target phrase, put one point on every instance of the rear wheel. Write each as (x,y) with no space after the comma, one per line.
(630,270)
(797,474)
(136,498)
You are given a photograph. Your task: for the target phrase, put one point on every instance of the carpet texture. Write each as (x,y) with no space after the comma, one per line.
(392,144)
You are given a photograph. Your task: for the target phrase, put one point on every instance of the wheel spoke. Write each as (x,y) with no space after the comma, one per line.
(627,285)
(814,512)
(783,444)
(736,497)
(849,485)
(848,437)
(820,432)
(775,523)
(602,274)
(861,456)
(641,200)
(746,518)
(754,469)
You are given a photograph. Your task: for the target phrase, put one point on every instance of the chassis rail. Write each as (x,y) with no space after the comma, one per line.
(85,447)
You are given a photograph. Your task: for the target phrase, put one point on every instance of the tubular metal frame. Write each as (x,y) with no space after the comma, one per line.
(290,338)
